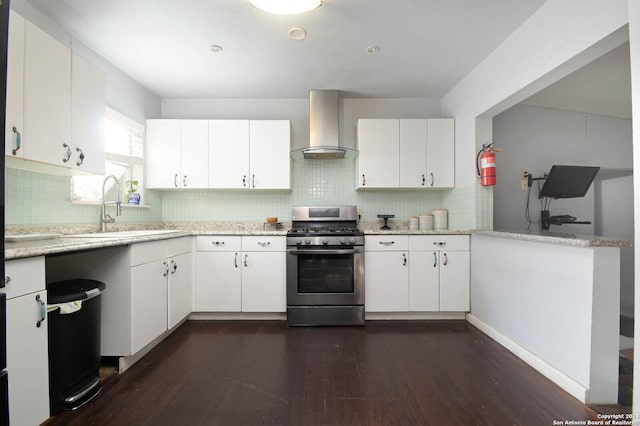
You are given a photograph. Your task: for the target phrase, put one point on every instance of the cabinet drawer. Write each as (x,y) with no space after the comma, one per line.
(439,242)
(148,252)
(386,242)
(264,243)
(218,243)
(176,246)
(27,276)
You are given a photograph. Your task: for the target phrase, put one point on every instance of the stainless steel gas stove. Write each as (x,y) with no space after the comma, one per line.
(325,267)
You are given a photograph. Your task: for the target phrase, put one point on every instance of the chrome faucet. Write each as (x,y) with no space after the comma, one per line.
(104,216)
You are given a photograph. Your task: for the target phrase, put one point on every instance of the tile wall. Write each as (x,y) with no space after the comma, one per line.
(40,199)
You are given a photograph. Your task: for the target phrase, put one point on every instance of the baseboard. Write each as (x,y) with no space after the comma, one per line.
(238,316)
(377,316)
(569,385)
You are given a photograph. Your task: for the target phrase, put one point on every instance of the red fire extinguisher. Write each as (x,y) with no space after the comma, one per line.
(486,165)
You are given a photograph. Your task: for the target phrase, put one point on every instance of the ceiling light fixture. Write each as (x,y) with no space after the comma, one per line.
(297,33)
(373,49)
(216,48)
(286,7)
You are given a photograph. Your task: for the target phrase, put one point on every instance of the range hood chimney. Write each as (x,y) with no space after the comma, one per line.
(324,127)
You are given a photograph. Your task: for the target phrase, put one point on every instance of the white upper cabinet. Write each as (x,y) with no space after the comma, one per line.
(229,154)
(55,103)
(441,152)
(249,154)
(177,154)
(405,153)
(413,153)
(47,98)
(269,154)
(15,86)
(378,161)
(87,116)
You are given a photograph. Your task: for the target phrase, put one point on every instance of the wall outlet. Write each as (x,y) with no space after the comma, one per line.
(524,180)
(360,212)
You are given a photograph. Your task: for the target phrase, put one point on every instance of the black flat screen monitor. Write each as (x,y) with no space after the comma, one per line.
(568,181)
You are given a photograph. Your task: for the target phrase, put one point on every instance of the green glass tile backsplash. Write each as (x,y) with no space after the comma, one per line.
(34,199)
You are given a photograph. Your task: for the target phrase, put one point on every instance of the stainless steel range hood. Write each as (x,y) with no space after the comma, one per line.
(324,128)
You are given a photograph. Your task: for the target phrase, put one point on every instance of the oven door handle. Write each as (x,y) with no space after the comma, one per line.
(321,251)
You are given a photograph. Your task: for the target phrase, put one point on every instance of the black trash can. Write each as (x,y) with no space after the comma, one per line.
(74,308)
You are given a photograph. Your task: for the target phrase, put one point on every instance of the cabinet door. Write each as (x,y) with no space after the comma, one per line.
(454,281)
(229,154)
(27,360)
(148,303)
(87,116)
(47,98)
(218,282)
(413,153)
(15,84)
(424,281)
(387,281)
(379,158)
(162,154)
(269,154)
(179,288)
(194,153)
(264,282)
(440,152)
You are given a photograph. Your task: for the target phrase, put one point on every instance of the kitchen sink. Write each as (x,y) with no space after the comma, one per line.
(123,234)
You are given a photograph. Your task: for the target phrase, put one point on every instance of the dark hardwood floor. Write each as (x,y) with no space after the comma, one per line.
(386,373)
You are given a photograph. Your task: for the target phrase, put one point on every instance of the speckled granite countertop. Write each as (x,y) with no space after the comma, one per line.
(558,238)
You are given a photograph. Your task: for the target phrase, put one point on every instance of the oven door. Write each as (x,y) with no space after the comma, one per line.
(325,276)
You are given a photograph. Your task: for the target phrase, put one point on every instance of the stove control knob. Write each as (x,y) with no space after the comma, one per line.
(352,240)
(298,242)
(343,240)
(325,241)
(307,240)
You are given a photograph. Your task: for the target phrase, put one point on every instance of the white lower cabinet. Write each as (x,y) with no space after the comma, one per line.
(241,274)
(422,273)
(439,273)
(27,342)
(386,273)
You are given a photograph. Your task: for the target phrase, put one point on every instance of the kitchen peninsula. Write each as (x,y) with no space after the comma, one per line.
(553,300)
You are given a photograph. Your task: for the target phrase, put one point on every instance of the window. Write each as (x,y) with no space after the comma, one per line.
(123,142)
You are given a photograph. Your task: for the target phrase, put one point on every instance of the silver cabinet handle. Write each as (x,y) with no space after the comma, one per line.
(184,180)
(386,243)
(435,259)
(446,259)
(424,180)
(174,267)
(253,181)
(217,243)
(244,181)
(440,243)
(80,157)
(432,179)
(245,260)
(43,310)
(18,141)
(264,244)
(68,153)
(166,269)
(175,180)
(7,280)
(235,260)
(364,181)
(404,259)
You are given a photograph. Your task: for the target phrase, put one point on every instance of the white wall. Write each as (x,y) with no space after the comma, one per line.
(297,110)
(560,37)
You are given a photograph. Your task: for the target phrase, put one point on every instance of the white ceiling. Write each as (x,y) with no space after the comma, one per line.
(426,46)
(602,87)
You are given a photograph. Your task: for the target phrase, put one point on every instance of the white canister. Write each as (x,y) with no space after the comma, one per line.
(426,222)
(413,223)
(439,219)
